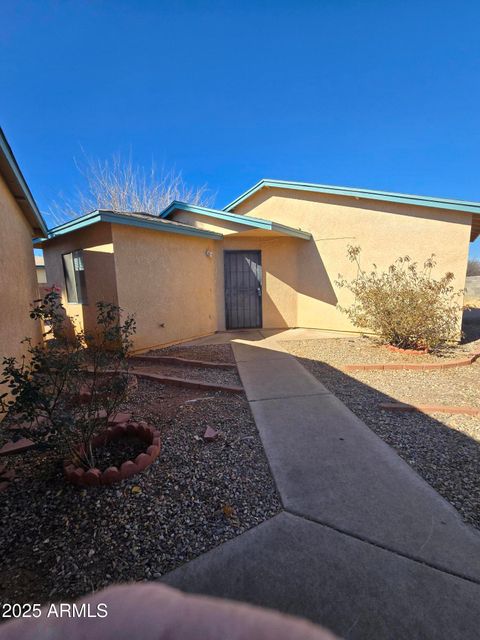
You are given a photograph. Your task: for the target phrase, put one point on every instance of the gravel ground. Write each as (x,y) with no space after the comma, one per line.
(444,449)
(366,349)
(203,374)
(207,352)
(58,541)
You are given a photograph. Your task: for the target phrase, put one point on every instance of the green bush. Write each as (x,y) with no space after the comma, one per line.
(404,305)
(74,382)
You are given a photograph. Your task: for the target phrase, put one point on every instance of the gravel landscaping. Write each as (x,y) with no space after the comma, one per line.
(58,541)
(444,449)
(228,377)
(367,350)
(208,353)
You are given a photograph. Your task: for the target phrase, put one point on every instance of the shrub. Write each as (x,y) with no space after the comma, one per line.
(73,383)
(473,268)
(404,305)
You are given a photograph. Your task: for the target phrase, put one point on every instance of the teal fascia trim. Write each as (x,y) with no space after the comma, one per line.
(257,223)
(131,221)
(7,153)
(402,198)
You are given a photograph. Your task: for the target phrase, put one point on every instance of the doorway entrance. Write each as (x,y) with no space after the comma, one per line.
(243,289)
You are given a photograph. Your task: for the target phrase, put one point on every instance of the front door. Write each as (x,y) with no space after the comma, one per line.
(243,289)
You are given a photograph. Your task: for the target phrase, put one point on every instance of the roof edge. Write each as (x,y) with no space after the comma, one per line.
(14,176)
(248,221)
(113,217)
(368,194)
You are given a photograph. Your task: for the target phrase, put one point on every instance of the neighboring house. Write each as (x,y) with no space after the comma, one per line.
(269,259)
(20,222)
(40,269)
(472,290)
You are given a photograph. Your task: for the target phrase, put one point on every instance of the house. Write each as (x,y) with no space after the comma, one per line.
(40,269)
(269,259)
(20,221)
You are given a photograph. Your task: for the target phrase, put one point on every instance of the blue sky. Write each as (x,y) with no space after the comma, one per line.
(377,94)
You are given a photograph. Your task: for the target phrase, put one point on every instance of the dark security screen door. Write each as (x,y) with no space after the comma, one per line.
(243,289)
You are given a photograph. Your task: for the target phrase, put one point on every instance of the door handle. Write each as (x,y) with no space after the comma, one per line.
(259,292)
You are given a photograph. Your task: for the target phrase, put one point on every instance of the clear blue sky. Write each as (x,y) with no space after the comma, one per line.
(378,94)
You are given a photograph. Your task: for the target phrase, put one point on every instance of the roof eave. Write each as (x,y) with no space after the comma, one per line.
(257,223)
(114,218)
(422,201)
(17,184)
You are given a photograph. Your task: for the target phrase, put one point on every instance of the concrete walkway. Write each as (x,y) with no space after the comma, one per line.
(364,546)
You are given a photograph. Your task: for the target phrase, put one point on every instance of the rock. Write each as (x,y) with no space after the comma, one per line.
(210,434)
(120,418)
(18,446)
(8,475)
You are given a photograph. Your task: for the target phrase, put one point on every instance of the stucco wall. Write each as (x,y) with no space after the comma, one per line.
(99,262)
(279,266)
(279,277)
(168,281)
(18,280)
(383,230)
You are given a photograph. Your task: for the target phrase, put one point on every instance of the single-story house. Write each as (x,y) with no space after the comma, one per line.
(20,221)
(268,259)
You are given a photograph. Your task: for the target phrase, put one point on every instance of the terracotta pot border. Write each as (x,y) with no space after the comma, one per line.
(412,366)
(430,408)
(95,477)
(413,352)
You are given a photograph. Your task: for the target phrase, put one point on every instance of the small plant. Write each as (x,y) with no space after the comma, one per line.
(73,383)
(404,305)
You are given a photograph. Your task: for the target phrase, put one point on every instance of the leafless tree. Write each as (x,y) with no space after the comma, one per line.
(473,268)
(117,184)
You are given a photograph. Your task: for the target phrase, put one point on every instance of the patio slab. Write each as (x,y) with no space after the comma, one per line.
(276,375)
(353,588)
(245,351)
(224,337)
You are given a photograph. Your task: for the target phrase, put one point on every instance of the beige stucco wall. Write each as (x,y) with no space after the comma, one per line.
(279,266)
(18,280)
(174,283)
(279,278)
(383,230)
(168,281)
(99,262)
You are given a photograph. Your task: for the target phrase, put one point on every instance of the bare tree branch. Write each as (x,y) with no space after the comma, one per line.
(118,184)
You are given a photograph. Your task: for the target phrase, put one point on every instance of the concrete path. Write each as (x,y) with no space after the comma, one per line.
(364,546)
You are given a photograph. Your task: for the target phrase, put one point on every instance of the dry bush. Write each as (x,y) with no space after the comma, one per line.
(404,305)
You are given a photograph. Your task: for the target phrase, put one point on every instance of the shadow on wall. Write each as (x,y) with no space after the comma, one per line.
(100,286)
(309,278)
(313,278)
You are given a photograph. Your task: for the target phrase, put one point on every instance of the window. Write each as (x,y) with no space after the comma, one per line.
(75,277)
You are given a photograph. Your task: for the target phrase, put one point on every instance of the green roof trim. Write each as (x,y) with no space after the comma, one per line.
(402,198)
(143,221)
(248,221)
(18,186)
